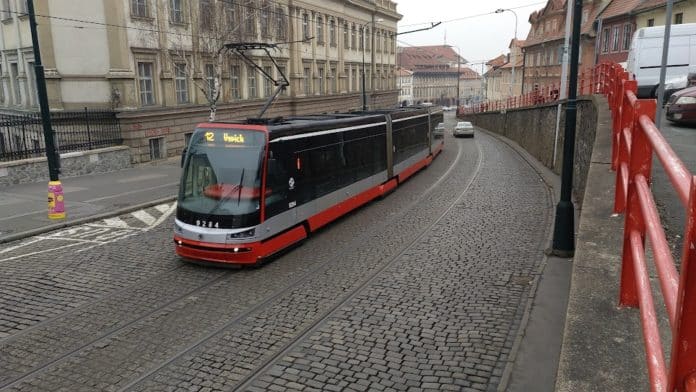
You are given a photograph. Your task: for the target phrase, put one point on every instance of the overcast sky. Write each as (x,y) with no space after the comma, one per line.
(471,25)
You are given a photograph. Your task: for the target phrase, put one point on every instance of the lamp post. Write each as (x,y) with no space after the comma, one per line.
(514,59)
(362,27)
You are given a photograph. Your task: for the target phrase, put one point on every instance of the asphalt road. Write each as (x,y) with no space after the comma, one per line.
(426,289)
(683,140)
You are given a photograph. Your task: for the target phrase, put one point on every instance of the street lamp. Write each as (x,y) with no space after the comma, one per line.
(372,48)
(500,11)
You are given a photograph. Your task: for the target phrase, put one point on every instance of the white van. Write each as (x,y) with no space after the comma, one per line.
(645,57)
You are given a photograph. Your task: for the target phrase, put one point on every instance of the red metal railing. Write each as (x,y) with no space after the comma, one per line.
(635,139)
(546,94)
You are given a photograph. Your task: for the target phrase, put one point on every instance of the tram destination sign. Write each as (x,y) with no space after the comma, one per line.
(231,138)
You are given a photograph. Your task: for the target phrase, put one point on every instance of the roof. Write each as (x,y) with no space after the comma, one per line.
(619,8)
(516,42)
(648,5)
(468,73)
(519,62)
(404,72)
(413,57)
(498,61)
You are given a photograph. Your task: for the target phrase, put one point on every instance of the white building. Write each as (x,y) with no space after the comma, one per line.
(405,84)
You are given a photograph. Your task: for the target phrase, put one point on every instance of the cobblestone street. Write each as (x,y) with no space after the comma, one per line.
(425,289)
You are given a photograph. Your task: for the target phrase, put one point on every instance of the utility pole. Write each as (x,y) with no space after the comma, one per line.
(564,227)
(663,65)
(56,203)
(564,81)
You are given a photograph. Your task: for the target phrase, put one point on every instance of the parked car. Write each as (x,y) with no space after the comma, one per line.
(681,107)
(439,129)
(463,128)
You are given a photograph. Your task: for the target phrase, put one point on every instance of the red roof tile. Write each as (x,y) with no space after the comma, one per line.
(427,56)
(620,7)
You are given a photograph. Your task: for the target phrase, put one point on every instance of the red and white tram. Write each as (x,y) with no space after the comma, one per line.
(251,189)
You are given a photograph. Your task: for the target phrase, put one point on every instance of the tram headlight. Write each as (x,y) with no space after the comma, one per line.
(242,234)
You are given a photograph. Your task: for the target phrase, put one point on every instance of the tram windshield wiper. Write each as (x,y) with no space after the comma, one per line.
(241,184)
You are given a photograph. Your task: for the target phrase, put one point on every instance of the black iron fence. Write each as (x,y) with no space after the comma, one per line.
(21,135)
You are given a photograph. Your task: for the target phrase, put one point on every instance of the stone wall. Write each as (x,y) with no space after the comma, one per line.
(172,124)
(72,164)
(534,130)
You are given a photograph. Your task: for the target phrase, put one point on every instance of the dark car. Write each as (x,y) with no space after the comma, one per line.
(681,107)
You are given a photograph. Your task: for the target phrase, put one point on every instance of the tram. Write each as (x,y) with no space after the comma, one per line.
(253,188)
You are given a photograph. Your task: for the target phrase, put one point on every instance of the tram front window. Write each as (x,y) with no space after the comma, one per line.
(221,186)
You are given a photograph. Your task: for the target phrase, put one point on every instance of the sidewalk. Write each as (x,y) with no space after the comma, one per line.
(24,211)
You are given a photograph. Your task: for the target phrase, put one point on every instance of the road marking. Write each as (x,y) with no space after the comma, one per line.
(144,217)
(132,192)
(163,208)
(115,222)
(141,178)
(40,251)
(11,248)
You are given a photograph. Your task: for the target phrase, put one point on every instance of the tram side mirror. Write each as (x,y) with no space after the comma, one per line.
(183,156)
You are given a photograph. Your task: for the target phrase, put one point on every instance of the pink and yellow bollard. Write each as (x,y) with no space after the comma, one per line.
(56,202)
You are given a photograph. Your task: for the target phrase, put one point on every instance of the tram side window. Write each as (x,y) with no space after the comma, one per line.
(334,162)
(410,137)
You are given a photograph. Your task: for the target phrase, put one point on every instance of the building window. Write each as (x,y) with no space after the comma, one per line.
(332,32)
(176,11)
(206,15)
(679,18)
(156,148)
(353,37)
(305,26)
(268,84)
(251,82)
(378,42)
(320,30)
(6,10)
(617,39)
(368,42)
(234,79)
(361,44)
(180,83)
(33,91)
(210,80)
(14,75)
(332,81)
(651,22)
(281,72)
(628,30)
(605,40)
(139,8)
(146,84)
(265,29)
(250,18)
(280,23)
(346,37)
(307,81)
(320,81)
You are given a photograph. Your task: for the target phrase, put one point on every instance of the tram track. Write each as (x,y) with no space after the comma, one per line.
(318,323)
(312,271)
(354,291)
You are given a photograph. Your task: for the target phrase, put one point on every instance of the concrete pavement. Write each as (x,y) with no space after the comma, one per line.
(23,208)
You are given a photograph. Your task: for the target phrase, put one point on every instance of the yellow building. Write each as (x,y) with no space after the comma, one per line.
(652,13)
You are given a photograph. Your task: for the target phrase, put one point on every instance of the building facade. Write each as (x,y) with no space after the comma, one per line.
(616,25)
(543,48)
(436,71)
(653,12)
(155,60)
(470,86)
(405,84)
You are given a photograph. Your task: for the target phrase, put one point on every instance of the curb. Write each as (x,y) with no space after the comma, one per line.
(553,185)
(86,219)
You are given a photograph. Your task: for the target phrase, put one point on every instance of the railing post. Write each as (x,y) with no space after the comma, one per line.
(683,359)
(640,163)
(616,119)
(89,134)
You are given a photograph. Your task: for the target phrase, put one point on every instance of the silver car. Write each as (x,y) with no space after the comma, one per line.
(464,128)
(439,130)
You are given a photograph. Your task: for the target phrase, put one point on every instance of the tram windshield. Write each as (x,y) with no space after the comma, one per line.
(222,178)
